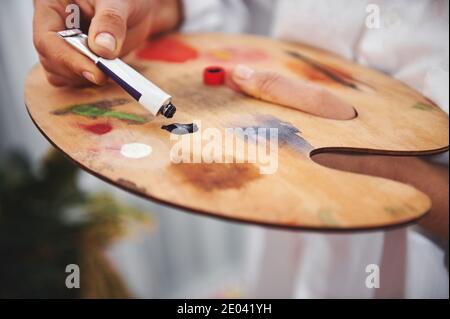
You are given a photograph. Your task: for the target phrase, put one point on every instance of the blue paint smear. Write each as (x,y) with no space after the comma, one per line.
(288,135)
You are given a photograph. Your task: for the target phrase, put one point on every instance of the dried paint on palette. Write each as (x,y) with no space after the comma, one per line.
(395,211)
(327,218)
(97,128)
(287,134)
(236,55)
(130,185)
(319,72)
(180,129)
(135,150)
(422,106)
(216,176)
(400,211)
(103,109)
(168,49)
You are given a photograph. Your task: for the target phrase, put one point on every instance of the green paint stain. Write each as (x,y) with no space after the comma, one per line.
(394,211)
(126,116)
(90,110)
(327,218)
(422,106)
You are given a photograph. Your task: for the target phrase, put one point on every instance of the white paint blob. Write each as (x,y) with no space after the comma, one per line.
(136,150)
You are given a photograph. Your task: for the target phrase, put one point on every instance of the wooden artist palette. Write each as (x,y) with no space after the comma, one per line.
(108,134)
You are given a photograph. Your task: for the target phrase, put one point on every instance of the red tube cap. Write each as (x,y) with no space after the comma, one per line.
(214,75)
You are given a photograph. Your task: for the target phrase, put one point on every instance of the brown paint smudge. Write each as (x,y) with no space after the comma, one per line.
(130,185)
(217,176)
(318,72)
(310,73)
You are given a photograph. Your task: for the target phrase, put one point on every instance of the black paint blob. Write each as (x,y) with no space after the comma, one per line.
(180,129)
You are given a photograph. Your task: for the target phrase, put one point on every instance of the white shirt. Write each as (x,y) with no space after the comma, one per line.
(410,42)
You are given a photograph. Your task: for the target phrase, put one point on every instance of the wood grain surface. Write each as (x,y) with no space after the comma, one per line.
(92,125)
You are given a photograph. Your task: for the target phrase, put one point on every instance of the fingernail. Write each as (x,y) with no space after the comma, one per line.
(89,76)
(106,40)
(243,72)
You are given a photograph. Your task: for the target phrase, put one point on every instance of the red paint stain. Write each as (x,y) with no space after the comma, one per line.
(93,149)
(98,129)
(113,148)
(168,49)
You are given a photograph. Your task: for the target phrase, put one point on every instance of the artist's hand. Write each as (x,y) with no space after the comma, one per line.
(292,93)
(430,178)
(115,28)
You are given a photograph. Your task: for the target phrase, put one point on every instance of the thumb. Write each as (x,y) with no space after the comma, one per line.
(293,93)
(108,28)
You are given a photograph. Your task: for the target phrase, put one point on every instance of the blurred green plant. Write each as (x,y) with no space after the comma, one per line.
(48,222)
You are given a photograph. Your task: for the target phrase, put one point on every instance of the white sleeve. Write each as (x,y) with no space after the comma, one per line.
(331,25)
(411,43)
(214,15)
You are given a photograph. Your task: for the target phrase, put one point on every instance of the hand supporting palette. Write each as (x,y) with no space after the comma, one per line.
(114,138)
